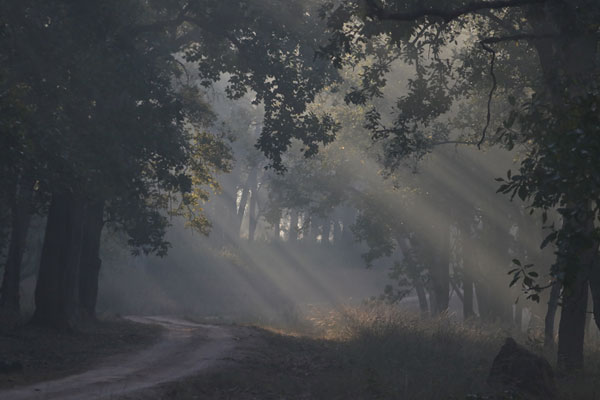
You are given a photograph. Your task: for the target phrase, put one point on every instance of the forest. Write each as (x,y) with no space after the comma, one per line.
(318,199)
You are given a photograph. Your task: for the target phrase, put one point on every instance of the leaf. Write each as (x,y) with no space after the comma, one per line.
(534,297)
(514,280)
(533,274)
(548,239)
(503,189)
(516,262)
(522,193)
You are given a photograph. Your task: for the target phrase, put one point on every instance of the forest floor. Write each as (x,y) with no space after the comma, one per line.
(44,354)
(367,353)
(143,356)
(348,354)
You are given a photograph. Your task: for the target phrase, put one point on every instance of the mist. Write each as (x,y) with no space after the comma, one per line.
(302,199)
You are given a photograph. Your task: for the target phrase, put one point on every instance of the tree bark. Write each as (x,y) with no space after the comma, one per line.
(90,262)
(468,312)
(441,273)
(571,330)
(467,277)
(415,276)
(549,321)
(576,263)
(595,288)
(253,214)
(56,294)
(250,183)
(325,231)
(483,306)
(293,236)
(518,318)
(20,220)
(568,62)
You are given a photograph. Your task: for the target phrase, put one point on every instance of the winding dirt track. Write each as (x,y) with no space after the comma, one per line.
(186,348)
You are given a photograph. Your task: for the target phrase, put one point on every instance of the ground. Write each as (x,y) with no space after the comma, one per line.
(356,354)
(48,354)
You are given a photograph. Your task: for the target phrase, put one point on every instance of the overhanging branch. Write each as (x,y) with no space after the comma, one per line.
(445,14)
(158,26)
(515,37)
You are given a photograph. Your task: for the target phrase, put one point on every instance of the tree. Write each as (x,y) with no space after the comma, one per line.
(558,33)
(112,136)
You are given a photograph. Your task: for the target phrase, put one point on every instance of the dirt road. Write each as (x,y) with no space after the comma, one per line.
(186,348)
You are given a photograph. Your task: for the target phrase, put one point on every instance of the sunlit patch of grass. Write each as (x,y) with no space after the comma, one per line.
(373,351)
(401,355)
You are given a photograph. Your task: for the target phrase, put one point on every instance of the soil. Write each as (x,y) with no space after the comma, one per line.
(183,349)
(43,354)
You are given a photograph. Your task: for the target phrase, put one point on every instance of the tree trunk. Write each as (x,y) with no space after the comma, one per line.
(568,61)
(294,217)
(325,231)
(595,288)
(314,230)
(551,316)
(422,297)
(253,214)
(441,273)
(467,295)
(518,318)
(468,252)
(588,315)
(415,276)
(487,307)
(337,232)
(576,263)
(571,330)
(250,183)
(56,292)
(20,219)
(90,263)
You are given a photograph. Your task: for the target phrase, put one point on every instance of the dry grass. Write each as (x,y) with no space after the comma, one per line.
(368,352)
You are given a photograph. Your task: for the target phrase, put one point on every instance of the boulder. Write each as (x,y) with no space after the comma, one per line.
(518,369)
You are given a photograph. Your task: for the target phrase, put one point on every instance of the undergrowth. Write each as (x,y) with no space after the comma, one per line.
(373,351)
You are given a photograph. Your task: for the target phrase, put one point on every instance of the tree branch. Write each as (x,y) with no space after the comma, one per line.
(487,48)
(465,142)
(516,37)
(446,14)
(157,26)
